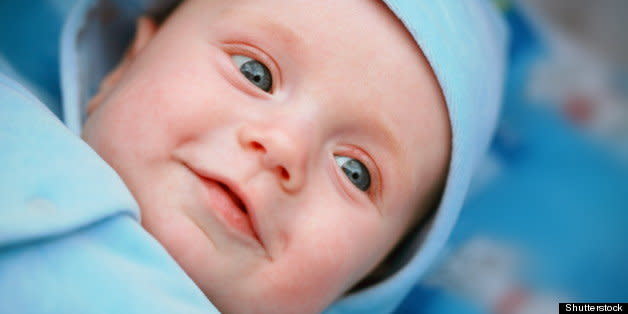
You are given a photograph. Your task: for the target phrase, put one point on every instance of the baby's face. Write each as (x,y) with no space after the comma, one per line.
(321,118)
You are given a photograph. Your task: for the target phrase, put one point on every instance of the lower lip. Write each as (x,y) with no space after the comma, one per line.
(231,214)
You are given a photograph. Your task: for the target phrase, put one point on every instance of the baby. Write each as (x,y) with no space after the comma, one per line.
(277,158)
(281,150)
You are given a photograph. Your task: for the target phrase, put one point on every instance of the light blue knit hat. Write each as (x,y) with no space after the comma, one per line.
(464,41)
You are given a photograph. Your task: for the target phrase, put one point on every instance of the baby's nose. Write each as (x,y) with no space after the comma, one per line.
(282,149)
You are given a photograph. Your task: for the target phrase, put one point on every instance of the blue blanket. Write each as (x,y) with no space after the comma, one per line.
(70,240)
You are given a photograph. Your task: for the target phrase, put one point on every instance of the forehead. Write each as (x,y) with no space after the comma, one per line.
(328,36)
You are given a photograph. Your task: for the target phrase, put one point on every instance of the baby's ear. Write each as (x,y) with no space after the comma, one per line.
(145,31)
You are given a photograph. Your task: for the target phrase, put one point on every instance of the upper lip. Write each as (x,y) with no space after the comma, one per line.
(234,189)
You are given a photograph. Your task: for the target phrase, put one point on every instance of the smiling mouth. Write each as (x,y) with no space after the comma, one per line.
(234,197)
(230,208)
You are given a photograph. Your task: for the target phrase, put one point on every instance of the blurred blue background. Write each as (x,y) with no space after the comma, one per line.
(546,217)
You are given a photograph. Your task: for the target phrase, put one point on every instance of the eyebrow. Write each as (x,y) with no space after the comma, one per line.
(261,20)
(381,129)
(392,142)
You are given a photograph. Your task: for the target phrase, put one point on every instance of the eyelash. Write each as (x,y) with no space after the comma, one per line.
(370,166)
(257,54)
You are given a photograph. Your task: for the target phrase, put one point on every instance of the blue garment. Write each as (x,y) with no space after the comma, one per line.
(29,37)
(70,241)
(557,200)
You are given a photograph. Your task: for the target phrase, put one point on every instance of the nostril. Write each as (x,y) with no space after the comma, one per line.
(258,147)
(284,173)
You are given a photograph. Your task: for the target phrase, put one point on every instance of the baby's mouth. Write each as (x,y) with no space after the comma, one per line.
(229,208)
(227,202)
(234,197)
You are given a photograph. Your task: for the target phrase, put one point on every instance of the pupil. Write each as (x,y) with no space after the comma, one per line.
(258,74)
(358,173)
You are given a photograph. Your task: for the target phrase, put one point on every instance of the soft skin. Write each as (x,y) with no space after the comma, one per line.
(348,81)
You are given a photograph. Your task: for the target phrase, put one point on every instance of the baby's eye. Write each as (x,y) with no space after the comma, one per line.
(254,71)
(356,171)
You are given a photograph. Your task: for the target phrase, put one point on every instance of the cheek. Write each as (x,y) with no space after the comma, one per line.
(330,253)
(123,131)
(157,104)
(306,282)
(149,117)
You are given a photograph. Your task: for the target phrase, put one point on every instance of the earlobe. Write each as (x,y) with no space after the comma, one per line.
(144,33)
